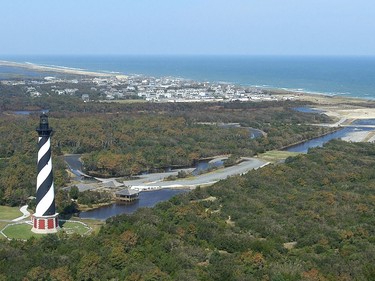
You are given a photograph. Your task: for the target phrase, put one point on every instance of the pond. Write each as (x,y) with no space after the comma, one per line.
(305,109)
(28,112)
(75,165)
(146,199)
(254,133)
(203,166)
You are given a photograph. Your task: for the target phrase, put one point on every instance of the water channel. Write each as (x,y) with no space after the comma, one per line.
(146,198)
(304,147)
(341,133)
(151,198)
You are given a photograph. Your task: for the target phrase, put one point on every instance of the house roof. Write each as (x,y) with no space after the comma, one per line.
(127,191)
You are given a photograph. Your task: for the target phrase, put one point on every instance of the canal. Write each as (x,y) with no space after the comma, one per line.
(320,141)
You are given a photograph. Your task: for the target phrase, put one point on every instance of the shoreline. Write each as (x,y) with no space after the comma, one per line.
(335,106)
(106,73)
(284,148)
(59,69)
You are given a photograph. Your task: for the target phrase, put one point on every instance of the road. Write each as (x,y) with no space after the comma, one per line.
(331,125)
(156,181)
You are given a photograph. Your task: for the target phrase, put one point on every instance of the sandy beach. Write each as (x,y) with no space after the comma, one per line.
(58,69)
(334,106)
(346,111)
(360,136)
(343,110)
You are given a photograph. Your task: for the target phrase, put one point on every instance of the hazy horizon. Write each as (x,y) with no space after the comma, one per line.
(182,28)
(4,57)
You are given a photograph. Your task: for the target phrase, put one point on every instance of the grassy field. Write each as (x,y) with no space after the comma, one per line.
(94,224)
(20,231)
(9,213)
(23,231)
(275,156)
(2,225)
(70,227)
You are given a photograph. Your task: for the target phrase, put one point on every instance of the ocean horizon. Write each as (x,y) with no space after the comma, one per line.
(330,75)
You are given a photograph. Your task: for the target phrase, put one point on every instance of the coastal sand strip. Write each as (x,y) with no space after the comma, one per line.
(360,136)
(67,70)
(370,137)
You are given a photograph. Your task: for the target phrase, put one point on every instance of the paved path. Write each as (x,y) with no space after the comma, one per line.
(25,213)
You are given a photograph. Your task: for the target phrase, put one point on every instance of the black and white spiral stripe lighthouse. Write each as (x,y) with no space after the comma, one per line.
(45,219)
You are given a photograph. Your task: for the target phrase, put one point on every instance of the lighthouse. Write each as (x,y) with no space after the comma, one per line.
(45,219)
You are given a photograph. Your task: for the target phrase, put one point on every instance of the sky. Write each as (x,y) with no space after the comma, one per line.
(187,27)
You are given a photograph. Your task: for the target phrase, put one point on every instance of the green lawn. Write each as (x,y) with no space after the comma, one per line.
(20,231)
(274,156)
(2,225)
(74,227)
(94,224)
(23,231)
(9,213)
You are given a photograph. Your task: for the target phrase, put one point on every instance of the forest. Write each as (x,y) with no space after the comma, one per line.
(311,218)
(126,139)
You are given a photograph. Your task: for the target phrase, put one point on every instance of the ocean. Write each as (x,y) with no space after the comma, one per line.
(347,76)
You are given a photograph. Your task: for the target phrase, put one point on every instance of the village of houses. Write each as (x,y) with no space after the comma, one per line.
(165,89)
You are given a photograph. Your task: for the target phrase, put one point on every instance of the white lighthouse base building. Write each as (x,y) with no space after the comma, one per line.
(45,224)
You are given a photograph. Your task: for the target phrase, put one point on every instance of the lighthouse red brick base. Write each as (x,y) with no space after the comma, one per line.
(45,224)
